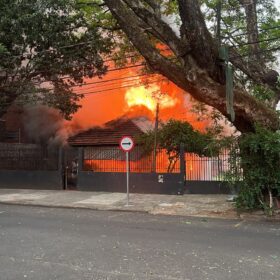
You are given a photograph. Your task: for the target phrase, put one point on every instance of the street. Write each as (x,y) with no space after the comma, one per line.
(43,243)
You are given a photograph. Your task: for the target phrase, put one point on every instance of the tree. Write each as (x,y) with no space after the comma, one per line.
(195,64)
(211,36)
(46,47)
(172,134)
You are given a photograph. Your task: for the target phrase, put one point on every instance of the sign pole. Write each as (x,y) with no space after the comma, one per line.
(127,144)
(127,178)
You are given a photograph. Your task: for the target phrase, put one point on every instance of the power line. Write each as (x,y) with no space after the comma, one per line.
(133,85)
(117,82)
(263,29)
(75,45)
(52,50)
(110,70)
(126,67)
(115,79)
(120,87)
(256,42)
(259,52)
(134,81)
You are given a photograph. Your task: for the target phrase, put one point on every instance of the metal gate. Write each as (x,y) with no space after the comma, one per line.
(70,168)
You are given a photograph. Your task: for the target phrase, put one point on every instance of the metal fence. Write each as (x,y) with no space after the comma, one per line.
(28,157)
(112,159)
(216,168)
(197,168)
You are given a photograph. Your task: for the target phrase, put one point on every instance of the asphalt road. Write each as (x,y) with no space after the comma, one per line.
(48,243)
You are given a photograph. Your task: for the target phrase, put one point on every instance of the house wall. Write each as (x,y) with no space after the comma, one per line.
(147,182)
(28,166)
(30,179)
(139,182)
(207,187)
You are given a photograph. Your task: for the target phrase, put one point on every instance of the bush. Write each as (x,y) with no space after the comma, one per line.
(260,161)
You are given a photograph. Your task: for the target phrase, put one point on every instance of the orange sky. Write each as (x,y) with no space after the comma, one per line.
(134,98)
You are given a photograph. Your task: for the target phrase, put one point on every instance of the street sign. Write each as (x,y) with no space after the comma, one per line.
(126,144)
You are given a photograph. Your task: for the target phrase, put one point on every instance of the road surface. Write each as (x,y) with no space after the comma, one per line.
(52,243)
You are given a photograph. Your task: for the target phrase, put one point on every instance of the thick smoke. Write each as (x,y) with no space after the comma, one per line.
(47,126)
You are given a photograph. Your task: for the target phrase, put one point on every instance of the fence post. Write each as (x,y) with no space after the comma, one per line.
(60,159)
(181,188)
(61,165)
(80,159)
(80,164)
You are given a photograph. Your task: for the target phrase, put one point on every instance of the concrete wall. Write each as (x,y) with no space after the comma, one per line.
(207,187)
(24,179)
(139,182)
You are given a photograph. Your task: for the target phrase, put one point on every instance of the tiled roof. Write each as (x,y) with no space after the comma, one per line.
(110,134)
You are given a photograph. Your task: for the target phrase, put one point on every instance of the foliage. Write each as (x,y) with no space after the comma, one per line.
(234,27)
(101,19)
(262,93)
(259,155)
(234,33)
(174,133)
(42,43)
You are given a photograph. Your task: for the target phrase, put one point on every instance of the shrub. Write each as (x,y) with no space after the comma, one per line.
(260,162)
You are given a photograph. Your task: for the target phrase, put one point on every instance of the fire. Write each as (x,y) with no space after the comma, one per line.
(133,97)
(148,97)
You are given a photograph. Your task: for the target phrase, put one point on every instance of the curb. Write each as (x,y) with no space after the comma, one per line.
(239,216)
(117,210)
(74,207)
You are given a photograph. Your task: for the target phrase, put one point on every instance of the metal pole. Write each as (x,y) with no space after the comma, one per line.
(155,140)
(127,178)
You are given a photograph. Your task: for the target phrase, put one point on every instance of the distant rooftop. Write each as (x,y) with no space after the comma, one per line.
(110,134)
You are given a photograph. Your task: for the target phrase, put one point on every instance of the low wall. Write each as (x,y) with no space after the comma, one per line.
(139,182)
(207,187)
(35,179)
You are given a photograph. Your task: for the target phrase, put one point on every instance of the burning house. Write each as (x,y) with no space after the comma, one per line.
(91,138)
(102,162)
(101,144)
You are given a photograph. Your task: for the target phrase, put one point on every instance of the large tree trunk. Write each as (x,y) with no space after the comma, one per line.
(252,28)
(196,67)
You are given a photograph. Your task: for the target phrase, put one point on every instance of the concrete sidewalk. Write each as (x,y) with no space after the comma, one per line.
(214,206)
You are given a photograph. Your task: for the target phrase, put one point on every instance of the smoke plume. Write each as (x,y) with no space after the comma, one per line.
(46,125)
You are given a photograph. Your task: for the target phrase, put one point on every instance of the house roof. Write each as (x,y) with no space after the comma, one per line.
(110,134)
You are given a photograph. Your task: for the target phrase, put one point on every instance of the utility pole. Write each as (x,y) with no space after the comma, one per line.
(154,168)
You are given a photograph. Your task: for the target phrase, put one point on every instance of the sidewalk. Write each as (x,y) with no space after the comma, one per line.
(214,206)
(189,205)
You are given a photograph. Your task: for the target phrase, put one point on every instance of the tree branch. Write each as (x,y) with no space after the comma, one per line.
(161,30)
(256,73)
(191,77)
(195,32)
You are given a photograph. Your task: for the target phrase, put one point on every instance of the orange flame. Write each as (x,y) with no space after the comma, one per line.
(148,97)
(134,99)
